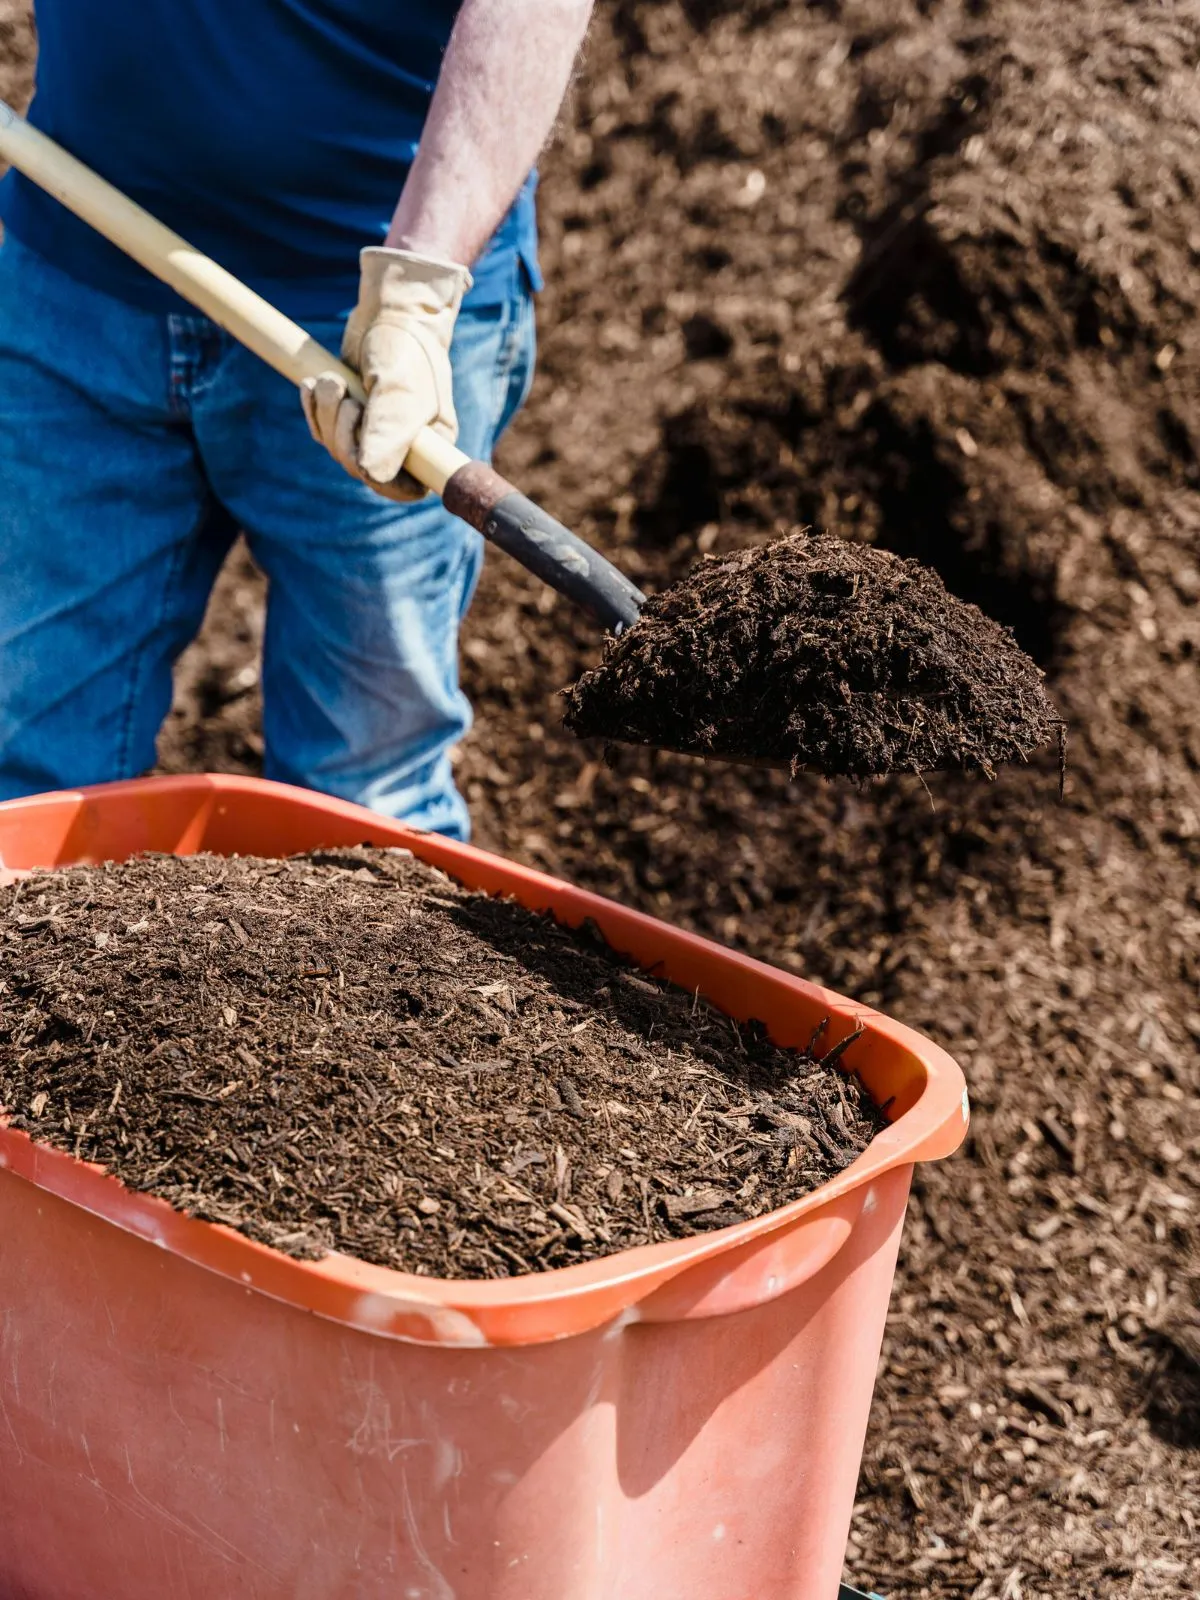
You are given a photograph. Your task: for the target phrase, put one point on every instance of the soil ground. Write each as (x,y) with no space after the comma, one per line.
(921,272)
(348,1051)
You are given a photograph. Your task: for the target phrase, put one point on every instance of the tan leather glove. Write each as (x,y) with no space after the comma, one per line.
(398,339)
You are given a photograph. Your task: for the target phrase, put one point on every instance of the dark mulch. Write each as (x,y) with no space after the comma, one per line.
(812,652)
(921,273)
(352,1052)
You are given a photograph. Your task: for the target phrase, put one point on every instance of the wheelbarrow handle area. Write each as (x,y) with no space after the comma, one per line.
(469,489)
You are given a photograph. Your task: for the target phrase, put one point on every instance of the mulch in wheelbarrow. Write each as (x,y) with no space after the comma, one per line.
(812,651)
(350,1051)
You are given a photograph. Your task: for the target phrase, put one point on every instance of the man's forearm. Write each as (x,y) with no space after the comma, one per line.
(502,83)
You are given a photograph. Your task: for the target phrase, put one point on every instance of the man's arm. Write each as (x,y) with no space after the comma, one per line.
(502,82)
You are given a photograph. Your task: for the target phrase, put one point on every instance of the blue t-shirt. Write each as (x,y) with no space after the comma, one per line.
(274,135)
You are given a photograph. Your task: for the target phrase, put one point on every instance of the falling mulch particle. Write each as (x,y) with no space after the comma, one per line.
(348,1051)
(811,651)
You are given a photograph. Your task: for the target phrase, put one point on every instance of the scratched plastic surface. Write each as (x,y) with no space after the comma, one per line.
(186,1415)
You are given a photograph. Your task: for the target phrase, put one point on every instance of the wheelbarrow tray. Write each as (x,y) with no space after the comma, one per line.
(185,1412)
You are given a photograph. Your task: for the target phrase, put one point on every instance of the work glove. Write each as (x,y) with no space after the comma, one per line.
(398,339)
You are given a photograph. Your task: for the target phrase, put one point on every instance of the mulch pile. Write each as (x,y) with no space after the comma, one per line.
(926,274)
(351,1052)
(812,652)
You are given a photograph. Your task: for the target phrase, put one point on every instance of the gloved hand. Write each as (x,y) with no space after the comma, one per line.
(398,338)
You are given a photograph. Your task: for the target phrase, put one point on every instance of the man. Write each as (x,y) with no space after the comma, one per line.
(136,438)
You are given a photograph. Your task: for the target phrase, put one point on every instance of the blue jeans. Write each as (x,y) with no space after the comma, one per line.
(133,447)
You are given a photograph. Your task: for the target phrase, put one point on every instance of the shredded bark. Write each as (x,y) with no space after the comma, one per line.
(816,652)
(351,1052)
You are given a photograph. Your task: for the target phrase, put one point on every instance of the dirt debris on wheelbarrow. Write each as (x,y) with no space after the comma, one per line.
(350,1051)
(812,652)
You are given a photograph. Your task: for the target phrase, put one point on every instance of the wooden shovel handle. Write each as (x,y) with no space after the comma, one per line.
(469,489)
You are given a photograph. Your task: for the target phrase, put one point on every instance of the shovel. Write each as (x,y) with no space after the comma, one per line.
(469,489)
